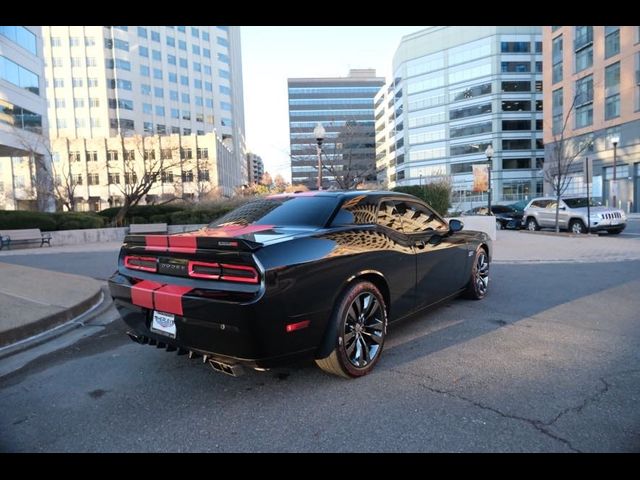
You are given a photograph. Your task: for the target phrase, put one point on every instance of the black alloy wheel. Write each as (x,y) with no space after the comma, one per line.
(479,281)
(362,327)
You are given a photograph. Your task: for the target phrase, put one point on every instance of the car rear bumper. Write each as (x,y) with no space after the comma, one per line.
(253,334)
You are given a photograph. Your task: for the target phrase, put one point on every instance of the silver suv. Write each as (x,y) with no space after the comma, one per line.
(541,213)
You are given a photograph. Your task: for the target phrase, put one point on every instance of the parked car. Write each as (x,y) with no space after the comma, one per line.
(506,215)
(573,215)
(316,275)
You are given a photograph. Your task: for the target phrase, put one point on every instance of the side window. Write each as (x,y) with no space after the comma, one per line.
(540,203)
(388,216)
(359,210)
(551,205)
(418,218)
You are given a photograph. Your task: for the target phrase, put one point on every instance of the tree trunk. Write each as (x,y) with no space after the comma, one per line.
(558,213)
(118,220)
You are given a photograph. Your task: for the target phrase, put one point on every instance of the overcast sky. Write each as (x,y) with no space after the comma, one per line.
(270,55)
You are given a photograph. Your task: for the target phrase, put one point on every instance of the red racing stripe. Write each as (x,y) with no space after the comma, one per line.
(182,244)
(169,298)
(156,243)
(142,293)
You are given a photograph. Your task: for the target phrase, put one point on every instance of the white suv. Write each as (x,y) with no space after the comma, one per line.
(541,213)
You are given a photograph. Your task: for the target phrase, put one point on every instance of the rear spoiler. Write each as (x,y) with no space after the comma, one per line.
(189,243)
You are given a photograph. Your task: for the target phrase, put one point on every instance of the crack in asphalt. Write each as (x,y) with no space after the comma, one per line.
(537,424)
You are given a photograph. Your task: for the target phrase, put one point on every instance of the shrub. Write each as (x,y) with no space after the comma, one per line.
(18,219)
(77,220)
(437,194)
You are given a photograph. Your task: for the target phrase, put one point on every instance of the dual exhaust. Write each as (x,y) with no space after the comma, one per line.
(234,370)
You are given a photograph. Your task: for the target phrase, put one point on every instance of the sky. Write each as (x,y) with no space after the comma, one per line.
(270,55)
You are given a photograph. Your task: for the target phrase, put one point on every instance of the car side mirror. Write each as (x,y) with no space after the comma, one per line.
(455,225)
(563,208)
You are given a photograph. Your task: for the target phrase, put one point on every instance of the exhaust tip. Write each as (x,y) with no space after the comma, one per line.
(233,370)
(134,337)
(193,355)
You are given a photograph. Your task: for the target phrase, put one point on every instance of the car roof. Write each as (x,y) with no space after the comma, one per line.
(343,194)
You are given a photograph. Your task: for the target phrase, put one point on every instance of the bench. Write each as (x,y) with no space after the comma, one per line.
(11,237)
(136,228)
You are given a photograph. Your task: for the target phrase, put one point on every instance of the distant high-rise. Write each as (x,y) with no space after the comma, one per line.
(147,80)
(457,90)
(23,151)
(255,167)
(344,107)
(592,94)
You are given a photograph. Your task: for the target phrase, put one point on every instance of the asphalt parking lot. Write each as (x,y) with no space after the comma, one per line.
(548,362)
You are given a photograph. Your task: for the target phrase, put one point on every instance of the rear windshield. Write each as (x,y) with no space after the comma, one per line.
(580,202)
(282,212)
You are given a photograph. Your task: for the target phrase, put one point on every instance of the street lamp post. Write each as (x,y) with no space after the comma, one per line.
(319,132)
(615,139)
(489,153)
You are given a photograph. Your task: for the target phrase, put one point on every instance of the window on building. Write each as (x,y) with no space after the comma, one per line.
(516,163)
(612,91)
(187,176)
(93,179)
(516,144)
(515,47)
(203,152)
(556,59)
(516,106)
(112,155)
(516,125)
(611,41)
(187,154)
(516,86)
(515,67)
(114,178)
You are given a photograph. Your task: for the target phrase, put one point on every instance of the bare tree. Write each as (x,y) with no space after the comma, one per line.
(279,183)
(563,155)
(343,158)
(137,184)
(266,180)
(47,177)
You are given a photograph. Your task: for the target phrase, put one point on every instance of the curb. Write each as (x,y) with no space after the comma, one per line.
(47,328)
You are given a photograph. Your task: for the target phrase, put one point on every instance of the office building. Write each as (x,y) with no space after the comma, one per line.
(457,90)
(147,80)
(255,167)
(344,107)
(592,90)
(23,118)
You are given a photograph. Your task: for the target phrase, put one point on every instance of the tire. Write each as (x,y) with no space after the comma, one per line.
(361,315)
(532,224)
(499,225)
(479,281)
(577,226)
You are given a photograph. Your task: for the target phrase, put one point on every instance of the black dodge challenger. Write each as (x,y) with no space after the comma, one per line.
(316,275)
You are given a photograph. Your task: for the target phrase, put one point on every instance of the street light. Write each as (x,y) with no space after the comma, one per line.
(489,153)
(615,139)
(319,132)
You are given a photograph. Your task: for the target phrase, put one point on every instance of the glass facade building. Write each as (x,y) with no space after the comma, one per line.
(457,90)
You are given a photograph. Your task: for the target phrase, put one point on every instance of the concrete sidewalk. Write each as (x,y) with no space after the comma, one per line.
(33,300)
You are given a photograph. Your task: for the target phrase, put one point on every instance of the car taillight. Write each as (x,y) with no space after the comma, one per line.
(239,273)
(147,264)
(210,271)
(223,271)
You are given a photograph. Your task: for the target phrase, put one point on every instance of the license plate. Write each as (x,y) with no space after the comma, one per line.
(164,323)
